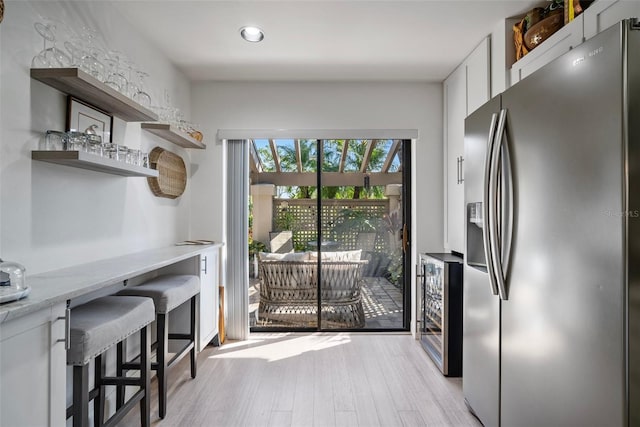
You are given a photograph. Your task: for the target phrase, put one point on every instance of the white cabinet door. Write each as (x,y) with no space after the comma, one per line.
(478,76)
(565,39)
(209,282)
(466,89)
(33,369)
(604,13)
(455,93)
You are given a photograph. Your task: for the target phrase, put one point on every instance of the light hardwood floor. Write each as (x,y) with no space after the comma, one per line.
(318,379)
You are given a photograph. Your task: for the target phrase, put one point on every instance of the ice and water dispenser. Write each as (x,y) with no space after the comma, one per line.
(475,246)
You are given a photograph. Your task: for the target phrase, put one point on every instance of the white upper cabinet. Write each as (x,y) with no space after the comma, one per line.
(563,40)
(604,13)
(478,76)
(466,89)
(601,15)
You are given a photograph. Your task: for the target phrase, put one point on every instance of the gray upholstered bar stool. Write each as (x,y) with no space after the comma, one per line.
(95,327)
(168,292)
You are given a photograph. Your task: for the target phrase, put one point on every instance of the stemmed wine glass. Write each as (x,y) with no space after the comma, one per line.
(49,57)
(141,96)
(115,76)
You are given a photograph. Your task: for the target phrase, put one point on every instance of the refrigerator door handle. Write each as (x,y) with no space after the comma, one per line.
(497,234)
(486,202)
(507,213)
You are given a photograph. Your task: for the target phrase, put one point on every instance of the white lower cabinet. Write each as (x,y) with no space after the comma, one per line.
(33,369)
(209,282)
(207,267)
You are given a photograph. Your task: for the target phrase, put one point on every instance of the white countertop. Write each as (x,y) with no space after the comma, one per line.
(53,287)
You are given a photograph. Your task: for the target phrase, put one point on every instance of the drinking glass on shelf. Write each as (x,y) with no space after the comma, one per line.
(144,159)
(141,96)
(115,152)
(109,151)
(54,141)
(116,76)
(133,157)
(85,60)
(94,144)
(77,141)
(49,57)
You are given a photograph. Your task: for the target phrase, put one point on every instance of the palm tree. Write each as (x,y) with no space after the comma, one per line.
(357,150)
(332,154)
(289,161)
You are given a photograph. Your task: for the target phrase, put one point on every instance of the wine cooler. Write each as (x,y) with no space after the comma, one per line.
(440,311)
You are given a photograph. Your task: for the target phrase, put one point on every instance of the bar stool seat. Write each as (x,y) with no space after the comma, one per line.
(95,327)
(168,292)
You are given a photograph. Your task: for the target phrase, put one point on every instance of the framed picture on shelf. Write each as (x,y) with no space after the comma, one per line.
(82,117)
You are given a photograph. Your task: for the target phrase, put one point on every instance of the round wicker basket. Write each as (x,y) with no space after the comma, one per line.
(172,174)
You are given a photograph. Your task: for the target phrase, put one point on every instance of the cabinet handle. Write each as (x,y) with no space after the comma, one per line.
(204,261)
(461,170)
(458,170)
(67,328)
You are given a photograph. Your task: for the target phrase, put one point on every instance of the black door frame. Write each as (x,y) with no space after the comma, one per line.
(406,246)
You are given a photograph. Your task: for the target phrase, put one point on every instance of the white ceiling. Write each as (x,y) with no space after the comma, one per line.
(307,40)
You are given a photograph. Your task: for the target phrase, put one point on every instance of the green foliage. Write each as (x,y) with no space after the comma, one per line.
(353,220)
(332,155)
(284,220)
(255,247)
(396,268)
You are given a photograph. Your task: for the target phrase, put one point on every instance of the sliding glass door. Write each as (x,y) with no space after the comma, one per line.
(326,228)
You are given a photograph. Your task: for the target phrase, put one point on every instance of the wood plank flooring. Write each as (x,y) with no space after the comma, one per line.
(318,379)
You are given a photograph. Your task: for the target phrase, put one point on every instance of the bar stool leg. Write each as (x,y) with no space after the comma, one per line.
(120,360)
(193,333)
(162,354)
(98,403)
(145,379)
(81,396)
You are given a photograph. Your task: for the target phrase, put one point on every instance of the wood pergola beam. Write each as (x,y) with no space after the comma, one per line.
(367,155)
(392,153)
(296,143)
(255,164)
(329,179)
(343,158)
(274,153)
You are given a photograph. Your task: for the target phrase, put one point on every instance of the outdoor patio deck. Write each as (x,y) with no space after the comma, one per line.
(382,303)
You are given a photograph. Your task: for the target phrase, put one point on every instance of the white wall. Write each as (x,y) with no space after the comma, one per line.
(54,216)
(231,105)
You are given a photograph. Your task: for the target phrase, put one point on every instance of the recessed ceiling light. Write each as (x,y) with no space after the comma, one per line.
(252,34)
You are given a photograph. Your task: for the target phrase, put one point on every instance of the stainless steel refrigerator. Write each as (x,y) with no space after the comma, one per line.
(551,333)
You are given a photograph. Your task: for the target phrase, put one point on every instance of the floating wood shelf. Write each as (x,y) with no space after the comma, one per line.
(172,134)
(82,160)
(85,87)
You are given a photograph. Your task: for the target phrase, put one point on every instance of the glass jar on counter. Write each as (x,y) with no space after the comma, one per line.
(12,275)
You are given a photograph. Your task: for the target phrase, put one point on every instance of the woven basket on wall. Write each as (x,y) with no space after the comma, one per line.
(172,174)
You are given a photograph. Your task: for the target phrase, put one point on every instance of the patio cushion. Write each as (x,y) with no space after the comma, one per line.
(337,256)
(295,256)
(168,291)
(104,322)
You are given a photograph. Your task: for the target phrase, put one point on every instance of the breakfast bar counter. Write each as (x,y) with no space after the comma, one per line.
(53,287)
(34,330)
